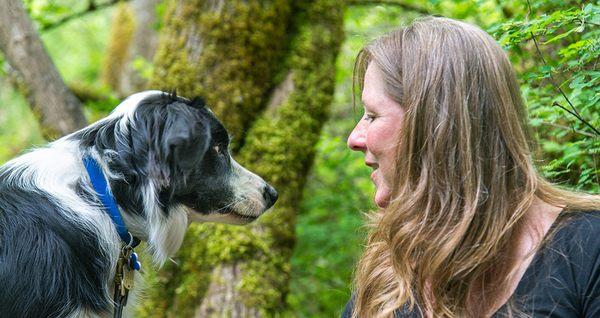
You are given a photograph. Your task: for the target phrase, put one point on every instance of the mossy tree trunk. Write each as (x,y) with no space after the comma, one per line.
(267,69)
(121,33)
(131,46)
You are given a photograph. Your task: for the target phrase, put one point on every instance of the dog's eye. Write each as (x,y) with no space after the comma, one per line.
(219,149)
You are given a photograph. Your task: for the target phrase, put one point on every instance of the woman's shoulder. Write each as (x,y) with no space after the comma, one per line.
(574,240)
(579,223)
(565,274)
(349,308)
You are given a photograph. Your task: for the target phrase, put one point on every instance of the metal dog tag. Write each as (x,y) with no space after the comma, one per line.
(128,275)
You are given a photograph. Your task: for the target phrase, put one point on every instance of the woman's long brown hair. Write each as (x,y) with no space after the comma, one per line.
(464,173)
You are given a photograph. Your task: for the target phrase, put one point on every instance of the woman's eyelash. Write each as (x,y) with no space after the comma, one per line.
(369,117)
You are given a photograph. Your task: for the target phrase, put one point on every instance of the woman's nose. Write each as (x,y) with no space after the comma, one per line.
(357,139)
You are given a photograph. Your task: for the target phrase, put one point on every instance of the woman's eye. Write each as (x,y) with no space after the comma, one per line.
(369,117)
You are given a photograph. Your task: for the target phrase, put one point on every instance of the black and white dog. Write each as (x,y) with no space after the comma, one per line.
(165,160)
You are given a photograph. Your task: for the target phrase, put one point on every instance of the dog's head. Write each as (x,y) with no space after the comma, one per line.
(178,150)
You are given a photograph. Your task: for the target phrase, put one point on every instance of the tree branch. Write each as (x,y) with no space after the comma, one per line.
(88,93)
(92,7)
(576,115)
(59,111)
(405,6)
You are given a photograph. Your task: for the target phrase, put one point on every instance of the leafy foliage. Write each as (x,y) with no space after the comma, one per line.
(17,124)
(556,50)
(329,230)
(47,12)
(52,13)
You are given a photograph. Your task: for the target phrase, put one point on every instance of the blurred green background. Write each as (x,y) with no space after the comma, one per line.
(329,227)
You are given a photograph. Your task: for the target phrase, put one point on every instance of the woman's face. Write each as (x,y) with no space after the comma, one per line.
(377,133)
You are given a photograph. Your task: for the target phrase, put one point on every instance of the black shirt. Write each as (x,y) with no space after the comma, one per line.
(563,279)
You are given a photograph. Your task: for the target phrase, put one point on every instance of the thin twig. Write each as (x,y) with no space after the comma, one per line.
(92,7)
(552,80)
(581,132)
(585,22)
(578,117)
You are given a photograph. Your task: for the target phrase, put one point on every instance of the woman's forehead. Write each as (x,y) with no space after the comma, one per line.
(373,93)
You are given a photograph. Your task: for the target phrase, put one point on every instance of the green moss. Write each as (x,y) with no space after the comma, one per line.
(123,26)
(228,56)
(275,150)
(233,72)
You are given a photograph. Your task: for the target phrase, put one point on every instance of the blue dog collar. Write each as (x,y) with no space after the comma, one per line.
(108,201)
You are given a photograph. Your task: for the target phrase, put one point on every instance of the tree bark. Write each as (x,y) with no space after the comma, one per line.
(119,44)
(133,40)
(143,46)
(229,52)
(59,111)
(220,299)
(229,271)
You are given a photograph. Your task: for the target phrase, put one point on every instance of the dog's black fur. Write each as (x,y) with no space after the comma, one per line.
(163,156)
(47,269)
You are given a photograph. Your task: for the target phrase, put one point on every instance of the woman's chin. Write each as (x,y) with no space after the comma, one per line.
(382,198)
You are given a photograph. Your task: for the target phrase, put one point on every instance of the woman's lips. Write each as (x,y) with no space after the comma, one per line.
(372,164)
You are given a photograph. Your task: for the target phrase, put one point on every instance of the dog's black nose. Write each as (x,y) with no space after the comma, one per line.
(270,195)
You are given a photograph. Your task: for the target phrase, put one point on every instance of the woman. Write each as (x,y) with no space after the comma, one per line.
(466,226)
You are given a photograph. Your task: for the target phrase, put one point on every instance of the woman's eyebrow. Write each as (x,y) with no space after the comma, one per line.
(368,106)
(365,108)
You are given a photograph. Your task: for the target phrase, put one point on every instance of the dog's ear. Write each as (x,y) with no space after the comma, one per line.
(182,144)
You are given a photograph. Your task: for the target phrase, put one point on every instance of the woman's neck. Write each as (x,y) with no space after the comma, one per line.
(527,240)
(507,274)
